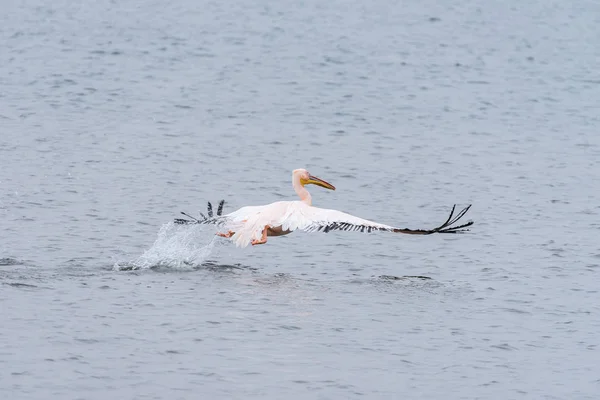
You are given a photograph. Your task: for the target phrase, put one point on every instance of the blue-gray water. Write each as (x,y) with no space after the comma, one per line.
(114,116)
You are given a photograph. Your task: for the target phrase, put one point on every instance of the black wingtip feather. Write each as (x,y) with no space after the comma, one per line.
(203,218)
(446,227)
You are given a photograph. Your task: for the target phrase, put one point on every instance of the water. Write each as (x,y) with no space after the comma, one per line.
(115,116)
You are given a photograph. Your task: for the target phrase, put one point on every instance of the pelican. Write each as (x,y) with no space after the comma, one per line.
(253,224)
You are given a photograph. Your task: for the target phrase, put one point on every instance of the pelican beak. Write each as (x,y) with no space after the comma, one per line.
(319,182)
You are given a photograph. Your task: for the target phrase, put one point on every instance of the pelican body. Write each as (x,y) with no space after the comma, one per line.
(254,224)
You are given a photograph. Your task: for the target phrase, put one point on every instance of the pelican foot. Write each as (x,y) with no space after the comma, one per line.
(225,235)
(255,242)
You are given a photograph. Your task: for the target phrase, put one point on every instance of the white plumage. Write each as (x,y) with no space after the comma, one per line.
(248,223)
(252,225)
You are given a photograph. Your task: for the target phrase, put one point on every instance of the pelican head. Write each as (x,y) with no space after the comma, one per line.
(305,178)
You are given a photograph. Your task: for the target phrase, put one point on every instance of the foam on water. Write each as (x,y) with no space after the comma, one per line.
(176,246)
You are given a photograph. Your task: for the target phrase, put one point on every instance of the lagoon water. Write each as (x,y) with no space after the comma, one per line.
(115,116)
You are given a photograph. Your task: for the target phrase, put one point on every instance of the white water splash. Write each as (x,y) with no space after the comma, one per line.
(176,246)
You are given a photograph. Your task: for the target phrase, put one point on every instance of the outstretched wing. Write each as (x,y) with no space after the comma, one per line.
(323,220)
(203,219)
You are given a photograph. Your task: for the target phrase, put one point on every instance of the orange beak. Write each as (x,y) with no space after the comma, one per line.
(319,182)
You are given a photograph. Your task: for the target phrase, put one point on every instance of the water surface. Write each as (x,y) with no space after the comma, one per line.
(114,116)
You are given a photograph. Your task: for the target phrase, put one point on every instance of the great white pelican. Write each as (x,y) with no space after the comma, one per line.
(253,224)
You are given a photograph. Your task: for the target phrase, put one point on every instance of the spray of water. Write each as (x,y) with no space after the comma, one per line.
(176,246)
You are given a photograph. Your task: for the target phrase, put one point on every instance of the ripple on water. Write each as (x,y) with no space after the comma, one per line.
(9,261)
(20,285)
